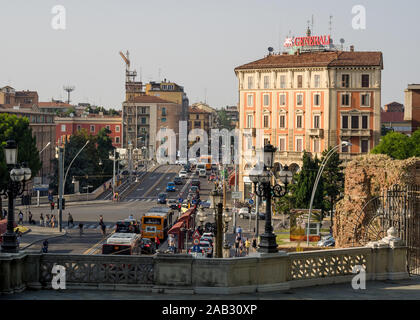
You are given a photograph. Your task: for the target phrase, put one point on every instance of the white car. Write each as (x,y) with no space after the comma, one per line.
(202,173)
(183,174)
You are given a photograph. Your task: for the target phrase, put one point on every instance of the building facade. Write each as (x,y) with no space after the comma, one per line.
(44,131)
(412,106)
(92,123)
(392,118)
(144,116)
(200,119)
(309,101)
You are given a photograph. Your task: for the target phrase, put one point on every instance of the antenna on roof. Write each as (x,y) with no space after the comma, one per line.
(69,89)
(330,23)
(312,24)
(342,41)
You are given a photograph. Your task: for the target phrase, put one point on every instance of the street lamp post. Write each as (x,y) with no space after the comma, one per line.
(217,198)
(263,188)
(318,177)
(226,219)
(19,175)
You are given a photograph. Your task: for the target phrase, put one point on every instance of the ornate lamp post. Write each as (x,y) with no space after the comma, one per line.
(19,175)
(217,200)
(263,188)
(226,219)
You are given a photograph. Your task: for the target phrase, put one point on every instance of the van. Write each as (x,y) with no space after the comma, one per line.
(202,173)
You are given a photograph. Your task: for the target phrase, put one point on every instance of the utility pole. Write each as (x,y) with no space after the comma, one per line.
(113,176)
(257,212)
(219,237)
(60,186)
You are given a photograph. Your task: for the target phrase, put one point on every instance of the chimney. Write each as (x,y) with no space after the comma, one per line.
(351,48)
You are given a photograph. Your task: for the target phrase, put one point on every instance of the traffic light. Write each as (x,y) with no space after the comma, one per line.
(52,205)
(63,203)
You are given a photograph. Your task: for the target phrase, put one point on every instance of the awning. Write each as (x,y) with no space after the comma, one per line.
(186,215)
(232,180)
(175,228)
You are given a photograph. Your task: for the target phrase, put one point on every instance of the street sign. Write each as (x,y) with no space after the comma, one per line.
(196,242)
(180,200)
(41,187)
(196,248)
(251,202)
(237,195)
(196,235)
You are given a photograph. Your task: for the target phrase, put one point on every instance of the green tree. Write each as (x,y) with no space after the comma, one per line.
(415,144)
(223,120)
(18,129)
(396,145)
(333,180)
(385,130)
(304,182)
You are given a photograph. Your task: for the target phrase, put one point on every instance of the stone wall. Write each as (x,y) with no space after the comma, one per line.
(365,178)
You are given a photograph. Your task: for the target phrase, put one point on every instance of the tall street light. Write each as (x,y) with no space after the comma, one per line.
(217,200)
(263,188)
(19,175)
(318,177)
(226,219)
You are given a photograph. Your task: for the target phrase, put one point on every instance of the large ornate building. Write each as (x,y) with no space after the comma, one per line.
(309,101)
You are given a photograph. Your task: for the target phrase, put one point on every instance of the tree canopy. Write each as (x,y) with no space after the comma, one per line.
(399,146)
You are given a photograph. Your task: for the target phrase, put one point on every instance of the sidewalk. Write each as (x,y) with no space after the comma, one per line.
(38,234)
(68,204)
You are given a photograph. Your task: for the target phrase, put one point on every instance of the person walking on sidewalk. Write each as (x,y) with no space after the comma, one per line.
(254,244)
(53,221)
(41,220)
(80,229)
(237,240)
(20,218)
(45,246)
(47,220)
(70,221)
(102,225)
(30,218)
(247,245)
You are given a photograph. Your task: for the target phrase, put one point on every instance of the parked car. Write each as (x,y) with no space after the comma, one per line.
(201,254)
(326,241)
(173,204)
(162,198)
(183,174)
(170,187)
(244,214)
(208,248)
(202,173)
(147,246)
(178,180)
(205,204)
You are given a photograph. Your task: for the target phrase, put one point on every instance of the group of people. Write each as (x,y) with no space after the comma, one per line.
(47,221)
(242,244)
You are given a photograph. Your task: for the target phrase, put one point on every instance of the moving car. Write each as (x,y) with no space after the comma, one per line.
(127,226)
(207,247)
(194,189)
(182,174)
(326,241)
(170,187)
(244,214)
(178,180)
(196,183)
(205,204)
(147,246)
(122,244)
(162,198)
(202,173)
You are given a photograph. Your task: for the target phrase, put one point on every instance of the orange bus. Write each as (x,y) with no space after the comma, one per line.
(157,222)
(207,161)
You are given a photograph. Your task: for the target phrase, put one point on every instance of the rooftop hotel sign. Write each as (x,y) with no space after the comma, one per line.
(311,41)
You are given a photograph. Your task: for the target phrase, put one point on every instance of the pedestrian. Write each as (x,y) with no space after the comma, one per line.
(247,245)
(52,206)
(104,187)
(53,221)
(157,242)
(239,231)
(18,235)
(47,220)
(70,221)
(41,220)
(45,246)
(30,217)
(80,229)
(103,227)
(131,217)
(254,243)
(237,240)
(20,218)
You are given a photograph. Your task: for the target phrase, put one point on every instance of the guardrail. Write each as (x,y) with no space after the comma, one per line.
(175,272)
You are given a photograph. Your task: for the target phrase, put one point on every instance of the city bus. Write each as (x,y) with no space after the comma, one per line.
(122,244)
(157,222)
(206,160)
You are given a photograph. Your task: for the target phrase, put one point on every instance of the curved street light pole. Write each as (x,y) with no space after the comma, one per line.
(318,177)
(67,171)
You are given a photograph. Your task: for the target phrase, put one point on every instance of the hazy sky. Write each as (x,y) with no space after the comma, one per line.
(194,43)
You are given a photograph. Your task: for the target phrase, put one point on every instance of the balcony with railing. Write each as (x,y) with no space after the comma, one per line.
(316,132)
(355,133)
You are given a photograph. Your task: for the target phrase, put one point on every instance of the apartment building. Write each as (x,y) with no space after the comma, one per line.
(144,116)
(392,117)
(309,101)
(92,123)
(412,106)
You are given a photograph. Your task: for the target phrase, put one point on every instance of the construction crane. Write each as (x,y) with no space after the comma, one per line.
(130,76)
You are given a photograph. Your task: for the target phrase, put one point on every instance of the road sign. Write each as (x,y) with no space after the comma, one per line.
(180,200)
(196,242)
(41,187)
(237,195)
(251,202)
(196,235)
(196,248)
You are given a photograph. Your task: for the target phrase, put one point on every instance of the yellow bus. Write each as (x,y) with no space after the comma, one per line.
(157,222)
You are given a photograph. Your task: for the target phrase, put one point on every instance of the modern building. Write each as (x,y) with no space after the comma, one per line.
(43,129)
(309,101)
(392,117)
(92,123)
(412,106)
(144,116)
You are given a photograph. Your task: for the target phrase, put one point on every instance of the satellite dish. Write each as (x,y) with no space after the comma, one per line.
(342,41)
(270,49)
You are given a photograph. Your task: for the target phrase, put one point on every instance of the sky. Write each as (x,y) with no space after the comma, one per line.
(195,43)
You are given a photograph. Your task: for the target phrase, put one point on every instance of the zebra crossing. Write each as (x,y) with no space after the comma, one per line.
(139,200)
(91,226)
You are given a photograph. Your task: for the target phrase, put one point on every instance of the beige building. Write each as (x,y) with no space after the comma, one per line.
(309,101)
(412,106)
(144,116)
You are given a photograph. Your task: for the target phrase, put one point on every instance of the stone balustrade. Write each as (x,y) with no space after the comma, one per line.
(183,273)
